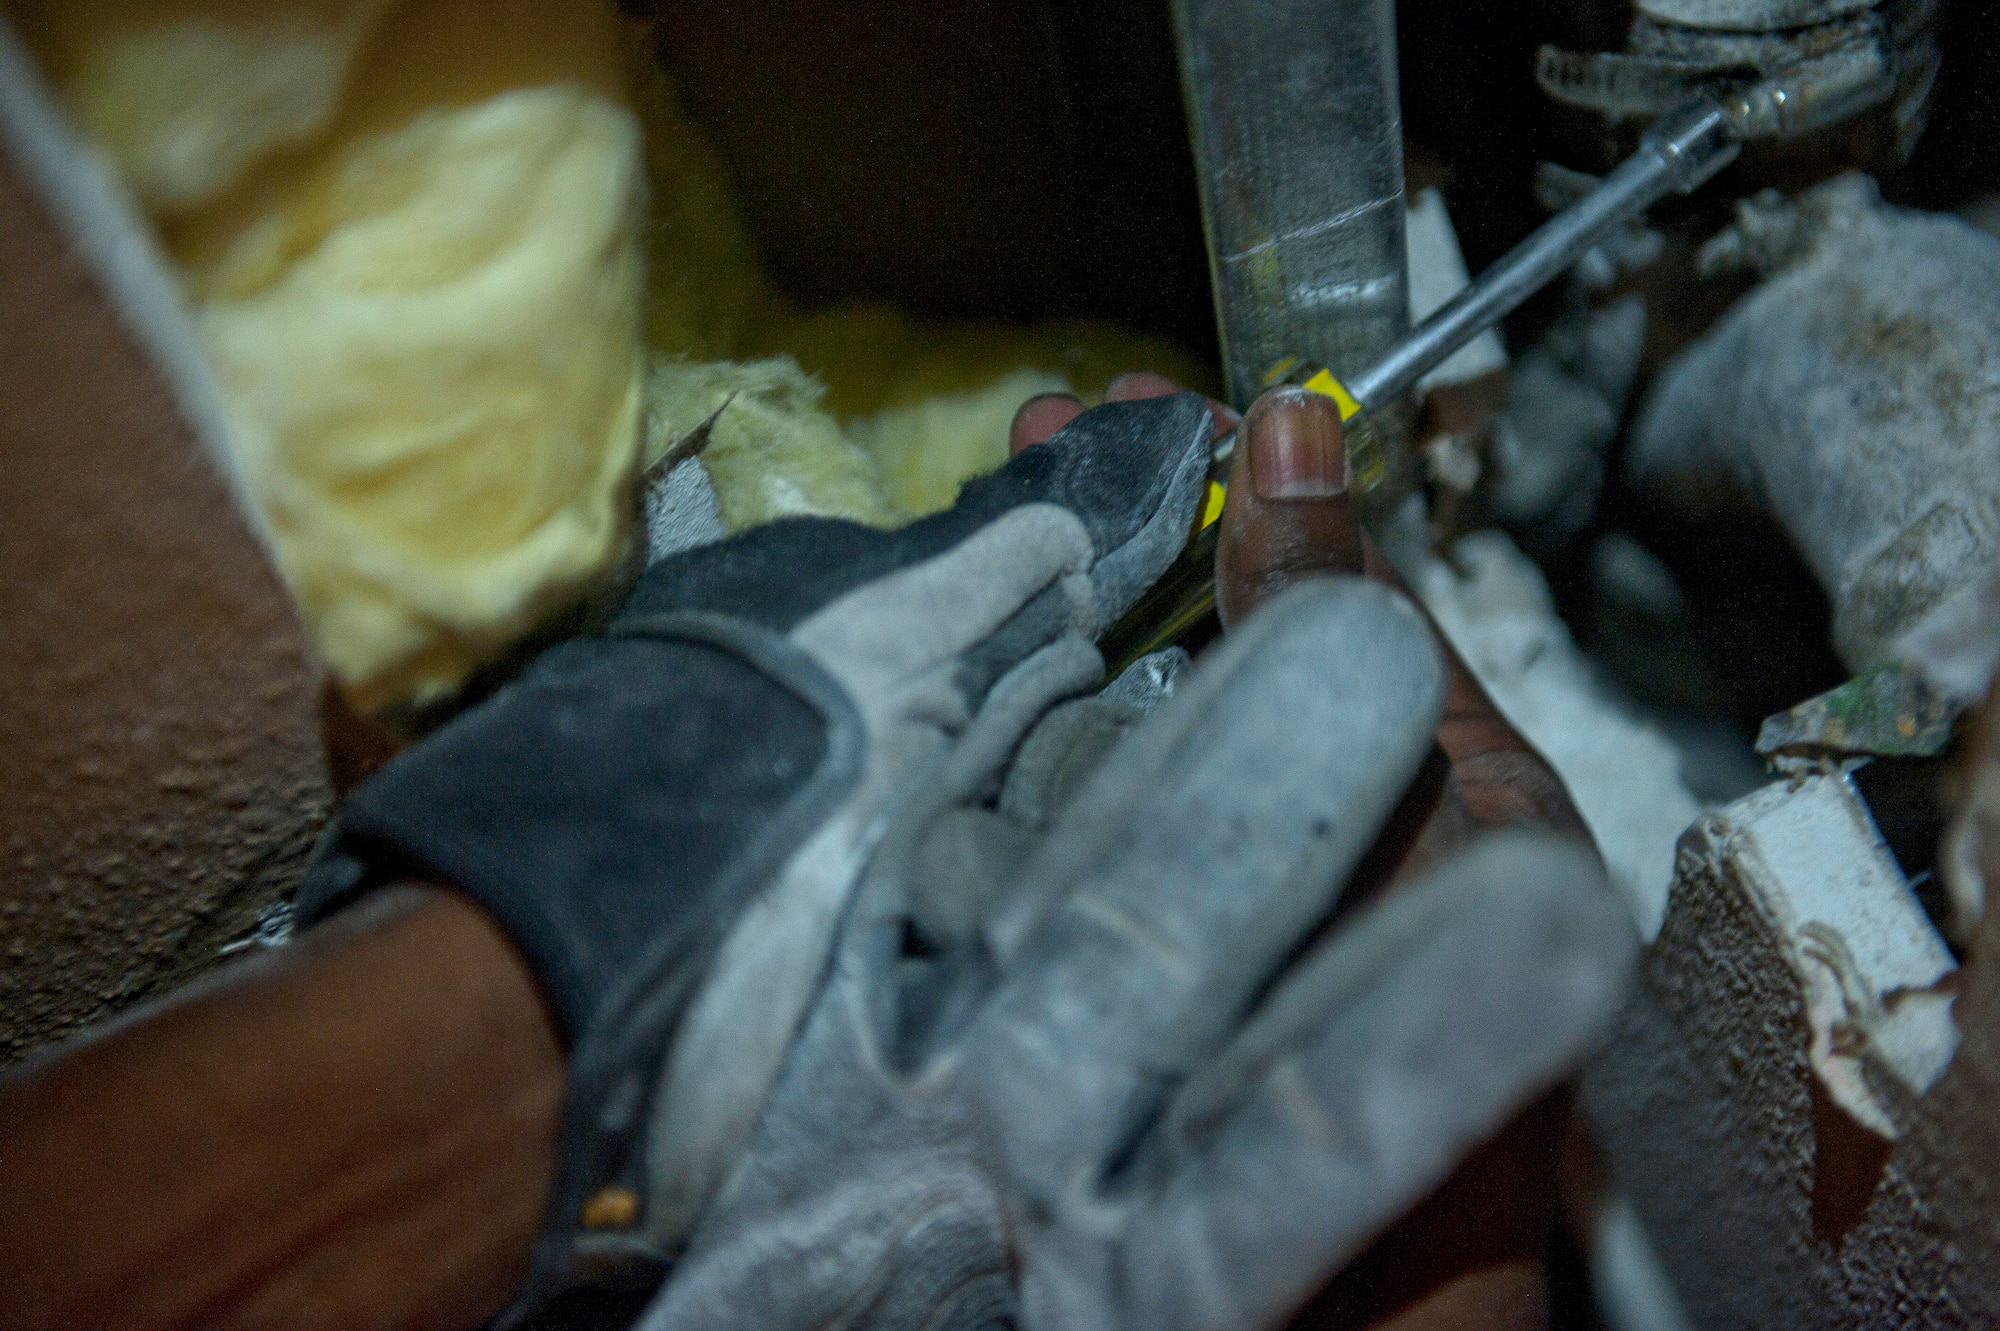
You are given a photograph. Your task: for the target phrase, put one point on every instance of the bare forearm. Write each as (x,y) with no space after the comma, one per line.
(353,1131)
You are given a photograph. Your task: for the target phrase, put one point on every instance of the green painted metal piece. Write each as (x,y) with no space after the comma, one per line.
(1886,712)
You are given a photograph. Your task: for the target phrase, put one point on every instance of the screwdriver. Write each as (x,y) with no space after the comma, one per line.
(1679,153)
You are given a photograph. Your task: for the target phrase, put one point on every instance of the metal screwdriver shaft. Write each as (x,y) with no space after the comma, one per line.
(1679,153)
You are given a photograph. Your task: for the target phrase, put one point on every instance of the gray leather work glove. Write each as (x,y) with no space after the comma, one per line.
(669,818)
(1111,1058)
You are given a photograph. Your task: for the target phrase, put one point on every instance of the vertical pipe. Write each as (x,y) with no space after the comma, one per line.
(1298,141)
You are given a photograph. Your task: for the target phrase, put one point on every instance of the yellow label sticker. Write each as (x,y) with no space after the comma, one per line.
(1326,385)
(1212,510)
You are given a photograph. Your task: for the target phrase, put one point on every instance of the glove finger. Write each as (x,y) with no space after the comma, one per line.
(1190,866)
(1112,494)
(1131,473)
(1395,1048)
(984,605)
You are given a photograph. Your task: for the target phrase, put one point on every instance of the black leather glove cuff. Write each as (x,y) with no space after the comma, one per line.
(615,808)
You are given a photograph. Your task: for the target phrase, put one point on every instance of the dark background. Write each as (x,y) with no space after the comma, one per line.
(1026,158)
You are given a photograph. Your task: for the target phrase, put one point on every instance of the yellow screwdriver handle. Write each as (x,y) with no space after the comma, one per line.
(1322,383)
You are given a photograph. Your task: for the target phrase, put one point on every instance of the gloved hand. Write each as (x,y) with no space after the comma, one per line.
(669,819)
(1117,1073)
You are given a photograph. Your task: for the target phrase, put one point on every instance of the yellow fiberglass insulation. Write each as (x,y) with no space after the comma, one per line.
(772,452)
(854,411)
(417,244)
(411,240)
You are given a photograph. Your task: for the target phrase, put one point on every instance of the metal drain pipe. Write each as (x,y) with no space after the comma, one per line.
(1298,141)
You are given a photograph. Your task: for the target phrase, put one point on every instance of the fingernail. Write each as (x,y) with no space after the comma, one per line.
(1038,401)
(1039,417)
(1296,446)
(1135,384)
